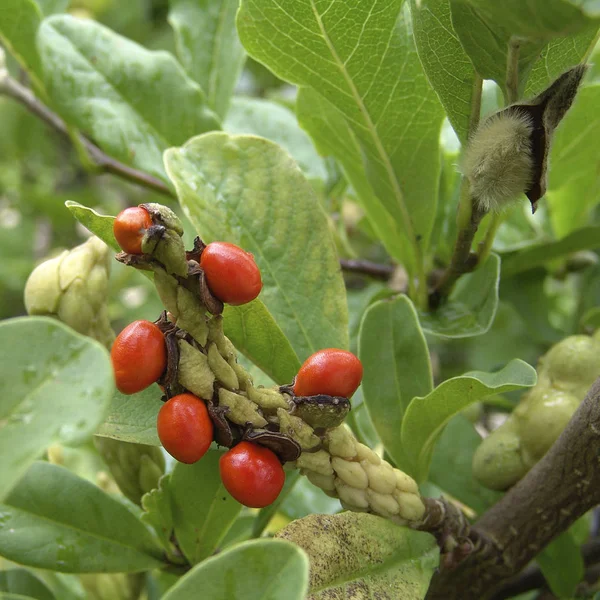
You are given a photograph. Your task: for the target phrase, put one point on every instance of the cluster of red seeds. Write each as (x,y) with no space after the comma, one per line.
(251,473)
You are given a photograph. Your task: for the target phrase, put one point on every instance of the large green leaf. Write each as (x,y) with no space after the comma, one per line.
(256,570)
(55,385)
(445,62)
(487,44)
(586,238)
(334,137)
(394,353)
(208,46)
(202,509)
(574,178)
(248,191)
(471,307)
(19,22)
(451,465)
(55,520)
(254,331)
(278,124)
(426,417)
(562,564)
(370,71)
(558,56)
(132,418)
(24,583)
(133,102)
(379,559)
(537,19)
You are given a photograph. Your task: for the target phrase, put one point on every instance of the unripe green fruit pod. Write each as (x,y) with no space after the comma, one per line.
(497,463)
(540,419)
(574,364)
(73,287)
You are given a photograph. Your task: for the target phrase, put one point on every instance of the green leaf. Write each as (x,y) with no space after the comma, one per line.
(487,44)
(157,510)
(278,124)
(52,7)
(133,102)
(446,64)
(100,225)
(471,307)
(562,565)
(132,418)
(265,514)
(19,22)
(305,499)
(531,257)
(558,56)
(527,293)
(249,191)
(394,353)
(55,385)
(208,46)
(202,508)
(574,178)
(426,417)
(536,19)
(451,465)
(255,570)
(58,521)
(334,137)
(256,334)
(365,69)
(25,583)
(385,561)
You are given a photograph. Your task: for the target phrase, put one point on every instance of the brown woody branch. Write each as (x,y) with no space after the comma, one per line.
(366,267)
(13,89)
(562,487)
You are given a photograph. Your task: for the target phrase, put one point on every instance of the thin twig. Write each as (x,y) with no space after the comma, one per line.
(366,267)
(532,578)
(12,88)
(462,261)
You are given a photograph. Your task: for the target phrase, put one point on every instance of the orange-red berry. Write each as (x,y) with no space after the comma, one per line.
(252,474)
(129,228)
(231,273)
(330,371)
(184,428)
(139,356)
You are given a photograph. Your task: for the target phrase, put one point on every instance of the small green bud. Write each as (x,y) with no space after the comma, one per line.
(268,399)
(497,463)
(167,250)
(540,419)
(297,429)
(192,317)
(221,368)
(194,373)
(163,215)
(167,287)
(241,410)
(42,290)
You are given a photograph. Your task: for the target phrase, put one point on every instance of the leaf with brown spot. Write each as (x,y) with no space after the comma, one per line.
(361,556)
